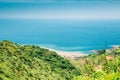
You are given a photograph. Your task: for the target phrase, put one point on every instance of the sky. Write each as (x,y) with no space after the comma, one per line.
(60,22)
(60,9)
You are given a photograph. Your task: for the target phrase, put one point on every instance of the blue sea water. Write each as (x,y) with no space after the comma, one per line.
(65,35)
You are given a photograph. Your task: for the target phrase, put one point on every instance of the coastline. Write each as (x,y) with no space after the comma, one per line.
(67,54)
(76,54)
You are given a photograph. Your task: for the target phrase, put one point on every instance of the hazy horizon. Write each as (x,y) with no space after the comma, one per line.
(60,9)
(71,25)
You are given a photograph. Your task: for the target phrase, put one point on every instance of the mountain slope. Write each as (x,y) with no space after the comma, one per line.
(31,62)
(104,65)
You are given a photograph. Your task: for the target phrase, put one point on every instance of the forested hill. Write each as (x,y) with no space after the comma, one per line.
(29,62)
(102,65)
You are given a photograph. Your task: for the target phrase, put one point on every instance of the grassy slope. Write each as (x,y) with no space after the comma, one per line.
(32,63)
(101,66)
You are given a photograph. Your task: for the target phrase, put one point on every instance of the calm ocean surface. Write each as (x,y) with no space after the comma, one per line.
(65,35)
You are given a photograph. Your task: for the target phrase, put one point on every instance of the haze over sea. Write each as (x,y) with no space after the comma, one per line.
(66,25)
(65,35)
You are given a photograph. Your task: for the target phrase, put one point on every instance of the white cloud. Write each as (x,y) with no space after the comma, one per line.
(93,14)
(61,11)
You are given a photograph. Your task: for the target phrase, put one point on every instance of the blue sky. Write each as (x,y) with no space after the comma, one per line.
(60,9)
(60,22)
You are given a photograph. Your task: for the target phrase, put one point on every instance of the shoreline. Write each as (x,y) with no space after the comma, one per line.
(71,54)
(67,54)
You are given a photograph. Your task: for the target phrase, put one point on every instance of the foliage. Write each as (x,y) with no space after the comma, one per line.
(103,66)
(29,62)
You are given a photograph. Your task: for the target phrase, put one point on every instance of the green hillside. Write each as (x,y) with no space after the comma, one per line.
(103,65)
(29,62)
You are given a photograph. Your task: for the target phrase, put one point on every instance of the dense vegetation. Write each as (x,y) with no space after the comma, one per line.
(103,65)
(29,62)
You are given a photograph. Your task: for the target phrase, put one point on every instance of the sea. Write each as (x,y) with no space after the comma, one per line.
(63,35)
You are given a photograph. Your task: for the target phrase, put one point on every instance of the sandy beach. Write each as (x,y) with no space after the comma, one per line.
(68,54)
